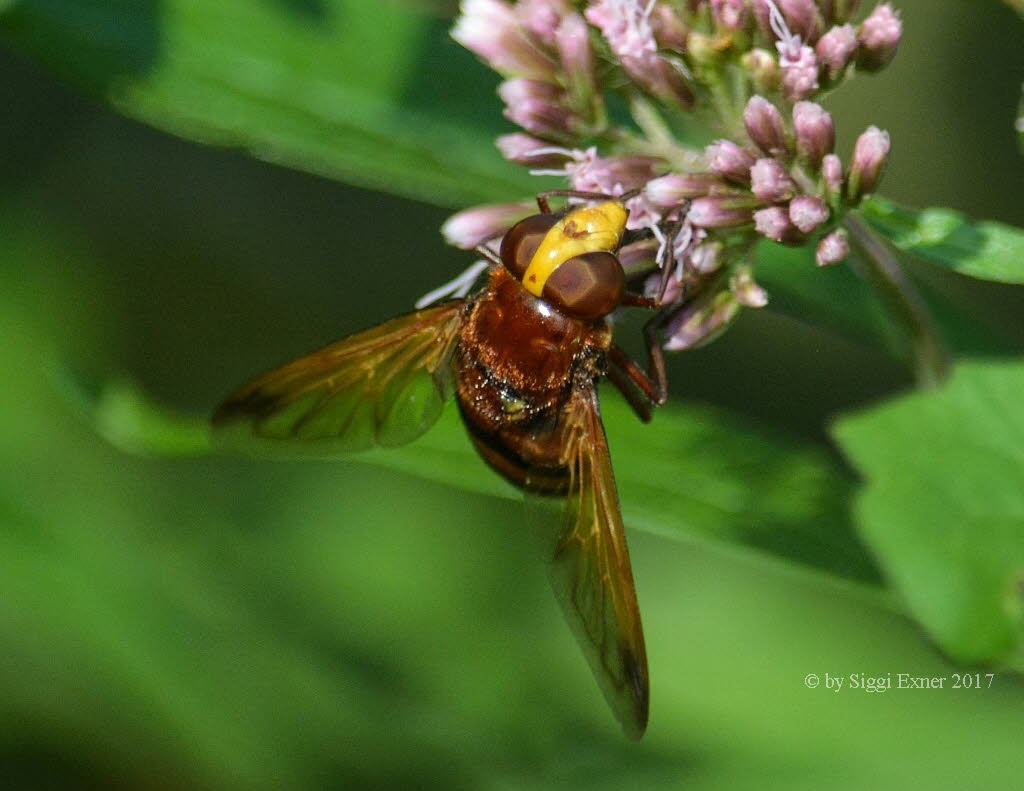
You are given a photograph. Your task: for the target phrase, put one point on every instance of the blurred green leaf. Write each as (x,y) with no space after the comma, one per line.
(986,250)
(124,417)
(943,506)
(123,643)
(834,297)
(840,299)
(697,473)
(375,94)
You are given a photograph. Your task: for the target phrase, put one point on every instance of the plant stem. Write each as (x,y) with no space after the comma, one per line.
(931,360)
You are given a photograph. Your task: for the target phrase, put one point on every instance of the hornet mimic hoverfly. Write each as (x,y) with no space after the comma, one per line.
(525,355)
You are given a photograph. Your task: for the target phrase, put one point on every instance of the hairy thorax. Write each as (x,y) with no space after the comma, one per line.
(515,365)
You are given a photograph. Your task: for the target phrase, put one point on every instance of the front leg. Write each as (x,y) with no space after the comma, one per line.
(644,390)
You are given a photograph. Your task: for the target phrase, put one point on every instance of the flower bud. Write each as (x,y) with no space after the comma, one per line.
(730,161)
(519,90)
(688,237)
(668,84)
(770,181)
(542,17)
(815,132)
(669,30)
(835,49)
(730,15)
(572,39)
(774,223)
(673,189)
(807,212)
(545,120)
(627,31)
(763,70)
(638,257)
(652,288)
(702,321)
(832,177)
(537,107)
(627,28)
(721,211)
(533,152)
(610,175)
(833,248)
(476,225)
(799,73)
(706,257)
(641,214)
(803,18)
(491,29)
(747,292)
(869,155)
(764,125)
(879,36)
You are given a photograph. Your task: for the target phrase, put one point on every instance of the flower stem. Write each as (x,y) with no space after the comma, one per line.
(931,360)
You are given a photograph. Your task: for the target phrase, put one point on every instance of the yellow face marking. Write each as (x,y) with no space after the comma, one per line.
(590,229)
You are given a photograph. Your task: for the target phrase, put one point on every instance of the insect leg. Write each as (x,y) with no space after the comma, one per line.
(635,235)
(640,403)
(631,300)
(656,374)
(652,382)
(668,263)
(629,377)
(667,233)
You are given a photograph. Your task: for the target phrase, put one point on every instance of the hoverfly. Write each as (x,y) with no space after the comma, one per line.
(525,355)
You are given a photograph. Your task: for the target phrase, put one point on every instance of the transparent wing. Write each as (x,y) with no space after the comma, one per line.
(590,569)
(384,386)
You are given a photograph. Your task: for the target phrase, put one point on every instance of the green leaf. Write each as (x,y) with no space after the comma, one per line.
(840,299)
(943,504)
(834,297)
(375,94)
(697,473)
(986,250)
(121,414)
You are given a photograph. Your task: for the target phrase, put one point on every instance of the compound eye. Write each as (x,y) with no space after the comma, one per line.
(522,241)
(586,286)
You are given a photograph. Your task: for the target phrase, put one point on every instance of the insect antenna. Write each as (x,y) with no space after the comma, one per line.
(545,208)
(459,285)
(486,252)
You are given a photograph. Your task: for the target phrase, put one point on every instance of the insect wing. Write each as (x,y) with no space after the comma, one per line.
(590,569)
(384,386)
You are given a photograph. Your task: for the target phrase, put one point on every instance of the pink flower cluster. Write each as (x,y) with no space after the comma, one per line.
(773,174)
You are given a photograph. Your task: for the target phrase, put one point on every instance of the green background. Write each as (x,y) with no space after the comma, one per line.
(207,623)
